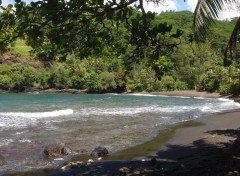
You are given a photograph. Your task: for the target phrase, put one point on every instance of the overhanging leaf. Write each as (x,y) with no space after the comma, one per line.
(231,47)
(205,13)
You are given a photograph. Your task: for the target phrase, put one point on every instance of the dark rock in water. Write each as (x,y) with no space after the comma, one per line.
(99,152)
(2,160)
(73,165)
(54,150)
(66,151)
(153,161)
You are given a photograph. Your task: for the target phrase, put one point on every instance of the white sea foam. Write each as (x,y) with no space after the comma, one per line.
(38,114)
(24,141)
(134,111)
(225,99)
(5,142)
(146,95)
(202,98)
(21,132)
(208,107)
(20,120)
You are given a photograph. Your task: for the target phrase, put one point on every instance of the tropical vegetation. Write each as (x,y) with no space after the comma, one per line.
(115,46)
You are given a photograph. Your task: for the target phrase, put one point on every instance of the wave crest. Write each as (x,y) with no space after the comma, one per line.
(39,114)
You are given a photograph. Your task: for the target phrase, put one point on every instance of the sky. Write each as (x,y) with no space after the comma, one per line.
(175,5)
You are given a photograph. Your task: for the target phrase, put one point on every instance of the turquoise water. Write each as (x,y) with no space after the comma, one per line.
(28,122)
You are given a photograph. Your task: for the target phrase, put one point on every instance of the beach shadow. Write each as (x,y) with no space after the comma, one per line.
(204,157)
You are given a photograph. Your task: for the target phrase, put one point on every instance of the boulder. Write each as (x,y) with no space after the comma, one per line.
(100,152)
(66,151)
(54,150)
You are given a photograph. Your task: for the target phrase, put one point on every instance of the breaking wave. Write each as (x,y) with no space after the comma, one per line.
(38,114)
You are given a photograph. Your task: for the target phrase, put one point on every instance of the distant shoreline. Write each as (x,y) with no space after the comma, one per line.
(189,93)
(184,93)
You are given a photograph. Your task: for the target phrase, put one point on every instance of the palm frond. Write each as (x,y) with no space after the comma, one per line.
(232,43)
(205,13)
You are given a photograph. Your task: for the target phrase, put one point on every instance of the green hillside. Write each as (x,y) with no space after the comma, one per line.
(111,69)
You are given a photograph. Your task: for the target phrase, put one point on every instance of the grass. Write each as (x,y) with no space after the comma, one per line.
(19,47)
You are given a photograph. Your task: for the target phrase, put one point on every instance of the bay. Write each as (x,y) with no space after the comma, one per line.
(28,122)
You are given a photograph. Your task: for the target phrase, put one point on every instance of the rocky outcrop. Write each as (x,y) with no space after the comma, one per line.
(54,150)
(63,91)
(100,152)
(10,59)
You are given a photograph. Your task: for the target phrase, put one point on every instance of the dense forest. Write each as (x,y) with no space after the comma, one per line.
(184,65)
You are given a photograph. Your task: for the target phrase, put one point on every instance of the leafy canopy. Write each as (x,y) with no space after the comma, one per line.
(55,28)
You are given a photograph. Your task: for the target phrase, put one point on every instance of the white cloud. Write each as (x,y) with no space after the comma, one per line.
(228,12)
(192,5)
(6,2)
(164,6)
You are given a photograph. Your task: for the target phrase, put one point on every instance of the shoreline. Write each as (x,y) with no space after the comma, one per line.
(177,151)
(211,148)
(183,152)
(190,93)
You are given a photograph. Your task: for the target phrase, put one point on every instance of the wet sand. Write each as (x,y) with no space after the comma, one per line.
(209,149)
(189,93)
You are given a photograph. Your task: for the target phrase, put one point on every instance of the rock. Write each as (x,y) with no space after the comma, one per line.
(90,161)
(58,159)
(99,152)
(124,170)
(66,151)
(73,165)
(153,161)
(54,150)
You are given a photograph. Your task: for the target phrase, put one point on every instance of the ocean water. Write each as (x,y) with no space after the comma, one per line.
(28,122)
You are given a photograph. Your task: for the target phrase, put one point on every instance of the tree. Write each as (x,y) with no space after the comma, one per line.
(55,28)
(205,13)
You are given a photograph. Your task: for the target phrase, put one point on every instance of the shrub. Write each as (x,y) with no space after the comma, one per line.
(208,82)
(78,73)
(180,85)
(18,81)
(77,81)
(5,82)
(226,88)
(92,81)
(60,77)
(141,80)
(30,76)
(107,80)
(221,79)
(167,83)
(43,78)
(5,69)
